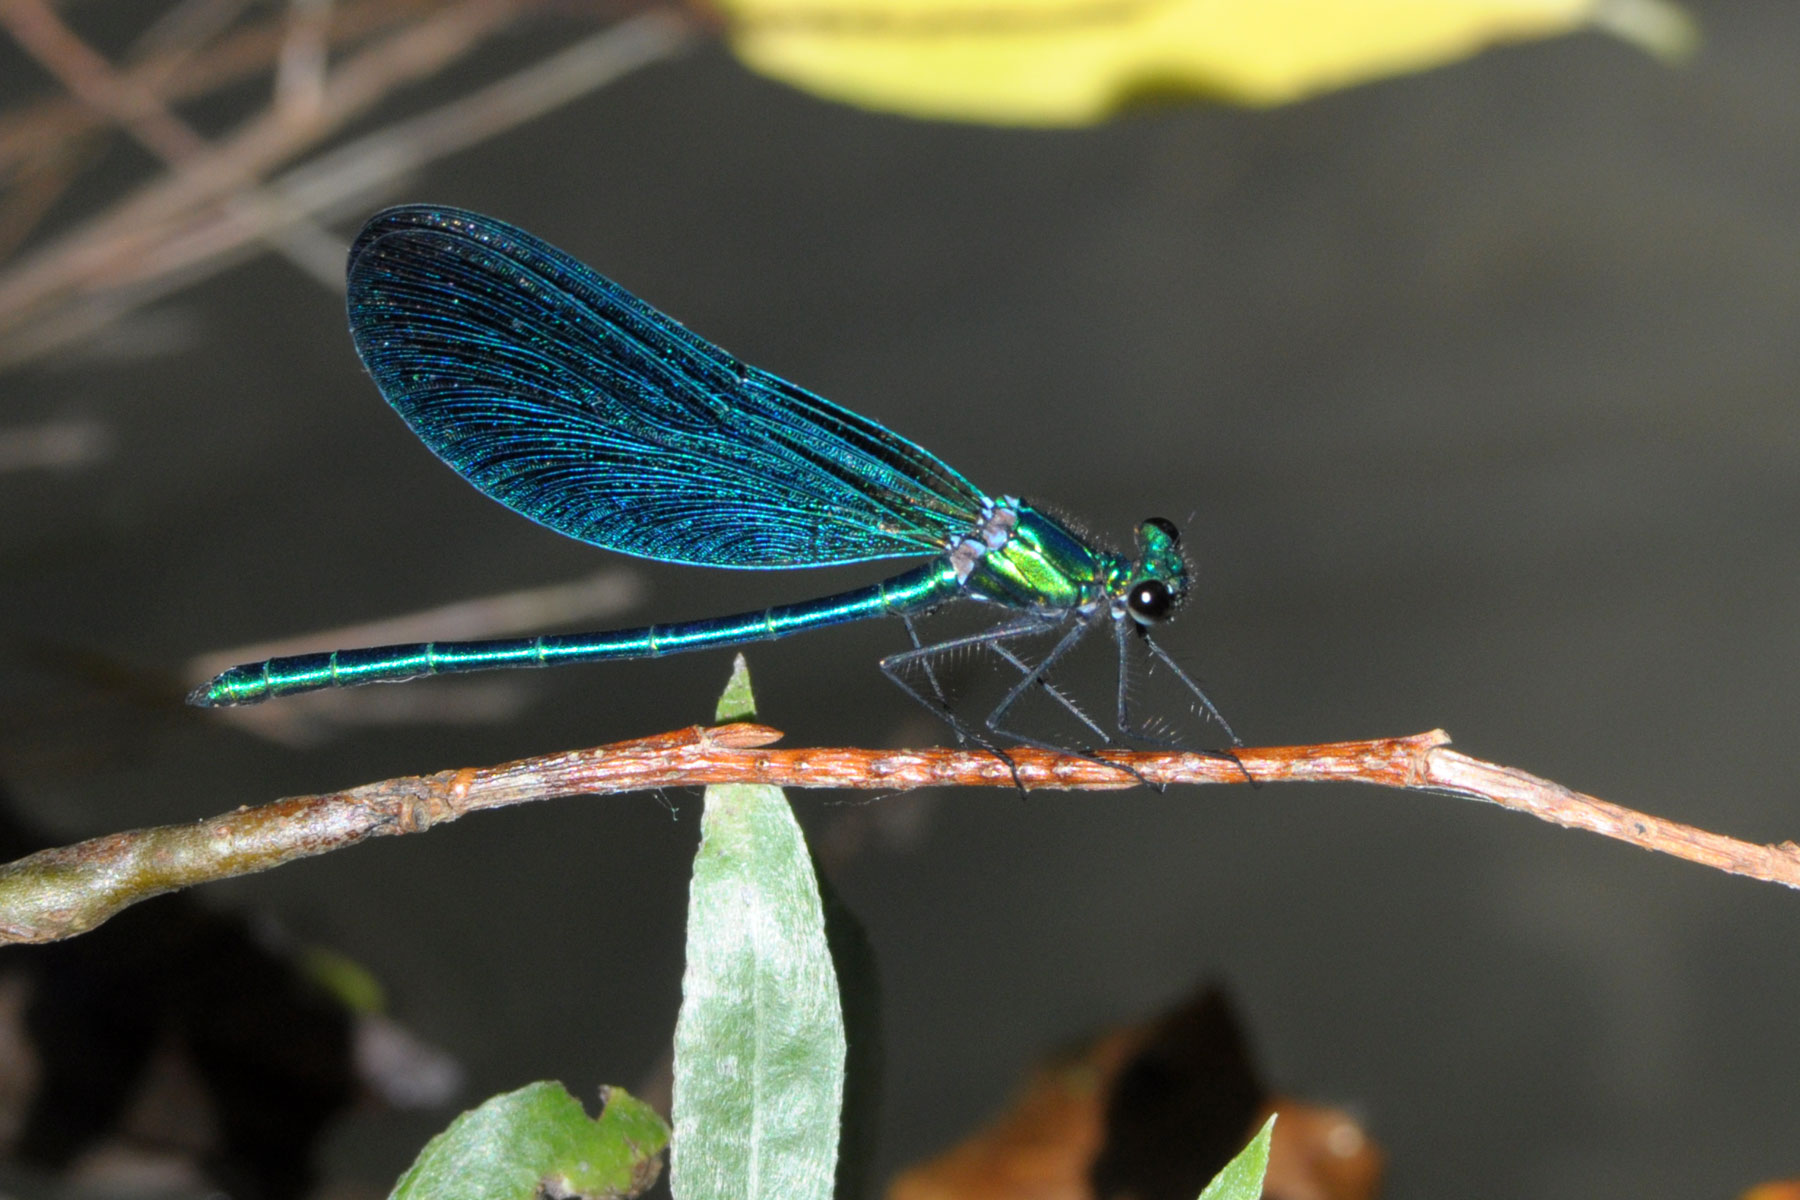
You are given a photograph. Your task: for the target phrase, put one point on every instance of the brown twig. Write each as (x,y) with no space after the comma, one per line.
(58,893)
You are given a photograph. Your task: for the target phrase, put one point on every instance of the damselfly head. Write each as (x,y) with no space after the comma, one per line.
(1159,579)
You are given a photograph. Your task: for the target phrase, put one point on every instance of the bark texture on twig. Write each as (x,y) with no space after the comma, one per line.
(59,893)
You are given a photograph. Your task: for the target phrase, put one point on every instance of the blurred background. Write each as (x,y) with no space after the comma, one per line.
(1471,389)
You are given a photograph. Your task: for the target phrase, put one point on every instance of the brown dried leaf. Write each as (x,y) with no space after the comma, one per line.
(1151,1112)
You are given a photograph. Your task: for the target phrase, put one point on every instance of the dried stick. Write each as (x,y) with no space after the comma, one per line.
(349,172)
(182,73)
(58,893)
(105,250)
(74,300)
(90,78)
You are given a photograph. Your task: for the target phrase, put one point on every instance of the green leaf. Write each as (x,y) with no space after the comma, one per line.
(539,1141)
(759,1046)
(353,984)
(1242,1178)
(738,702)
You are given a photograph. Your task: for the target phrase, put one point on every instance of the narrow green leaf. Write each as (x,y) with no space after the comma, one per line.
(737,703)
(1242,1178)
(759,1046)
(354,985)
(539,1141)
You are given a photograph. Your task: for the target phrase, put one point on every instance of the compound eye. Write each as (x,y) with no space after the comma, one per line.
(1150,601)
(1168,528)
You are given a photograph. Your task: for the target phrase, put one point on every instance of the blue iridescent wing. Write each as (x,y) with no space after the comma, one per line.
(569,400)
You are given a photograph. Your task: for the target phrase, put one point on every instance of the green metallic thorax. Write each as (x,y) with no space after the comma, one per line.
(1044,564)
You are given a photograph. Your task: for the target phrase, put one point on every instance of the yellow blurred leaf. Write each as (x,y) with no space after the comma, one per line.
(1073,62)
(1778,1190)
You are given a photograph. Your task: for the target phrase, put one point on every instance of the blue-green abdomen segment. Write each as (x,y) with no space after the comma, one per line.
(251,683)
